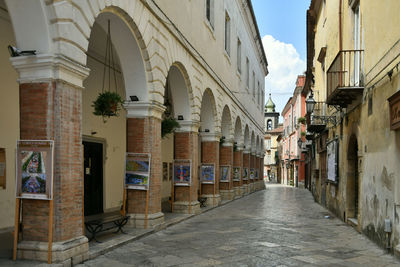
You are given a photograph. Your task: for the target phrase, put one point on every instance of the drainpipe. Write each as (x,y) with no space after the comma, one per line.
(340,29)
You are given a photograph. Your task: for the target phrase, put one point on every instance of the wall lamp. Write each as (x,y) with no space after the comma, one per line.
(15,52)
(180,117)
(134,98)
(310,104)
(206,130)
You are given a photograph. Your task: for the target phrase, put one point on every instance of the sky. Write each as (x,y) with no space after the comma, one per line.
(282,25)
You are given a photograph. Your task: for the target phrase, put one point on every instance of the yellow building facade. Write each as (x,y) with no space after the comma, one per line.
(352,73)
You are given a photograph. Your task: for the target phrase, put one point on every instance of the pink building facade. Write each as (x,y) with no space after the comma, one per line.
(293,139)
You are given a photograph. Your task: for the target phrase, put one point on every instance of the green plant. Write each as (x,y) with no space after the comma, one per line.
(168,125)
(303,133)
(221,140)
(235,147)
(107,104)
(301,120)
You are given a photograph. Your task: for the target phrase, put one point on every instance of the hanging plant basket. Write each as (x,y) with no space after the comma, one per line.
(168,125)
(107,104)
(302,120)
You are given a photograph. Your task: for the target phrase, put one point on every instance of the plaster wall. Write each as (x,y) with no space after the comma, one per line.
(9,120)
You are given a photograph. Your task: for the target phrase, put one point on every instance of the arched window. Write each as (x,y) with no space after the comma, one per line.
(269,125)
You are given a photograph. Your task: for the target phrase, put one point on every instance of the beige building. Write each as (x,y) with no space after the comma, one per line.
(206,70)
(353,76)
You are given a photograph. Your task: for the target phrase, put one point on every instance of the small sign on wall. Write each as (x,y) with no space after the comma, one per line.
(394,104)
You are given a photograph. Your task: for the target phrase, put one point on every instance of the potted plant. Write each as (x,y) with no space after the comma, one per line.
(303,134)
(107,104)
(302,120)
(168,125)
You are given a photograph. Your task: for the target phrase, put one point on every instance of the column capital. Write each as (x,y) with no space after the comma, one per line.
(188,126)
(141,109)
(48,67)
(228,142)
(240,147)
(210,137)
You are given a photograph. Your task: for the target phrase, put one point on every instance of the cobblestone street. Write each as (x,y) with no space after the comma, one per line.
(279,226)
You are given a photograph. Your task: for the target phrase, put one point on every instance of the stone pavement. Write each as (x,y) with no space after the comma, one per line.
(280,226)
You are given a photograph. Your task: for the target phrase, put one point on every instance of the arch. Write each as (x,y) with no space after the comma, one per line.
(208,112)
(247,138)
(226,123)
(352,186)
(128,51)
(238,138)
(179,87)
(257,148)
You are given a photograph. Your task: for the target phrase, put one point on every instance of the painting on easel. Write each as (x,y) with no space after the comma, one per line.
(35,169)
(236,174)
(182,172)
(207,174)
(137,171)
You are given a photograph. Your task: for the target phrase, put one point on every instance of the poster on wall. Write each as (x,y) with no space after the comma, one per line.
(170,166)
(225,174)
(165,171)
(35,161)
(236,174)
(332,160)
(245,173)
(207,174)
(182,172)
(252,174)
(256,174)
(137,171)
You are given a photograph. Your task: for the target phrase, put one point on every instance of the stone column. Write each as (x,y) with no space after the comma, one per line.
(144,136)
(226,158)
(210,154)
(238,162)
(51,109)
(246,164)
(186,147)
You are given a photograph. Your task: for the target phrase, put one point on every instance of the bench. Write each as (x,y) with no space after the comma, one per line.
(202,201)
(103,222)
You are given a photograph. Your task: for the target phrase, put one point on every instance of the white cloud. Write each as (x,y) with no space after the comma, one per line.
(284,64)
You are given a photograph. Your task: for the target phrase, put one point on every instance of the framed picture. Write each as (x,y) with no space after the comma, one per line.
(236,173)
(170,171)
(137,171)
(165,171)
(182,172)
(225,174)
(252,174)
(35,159)
(245,173)
(207,174)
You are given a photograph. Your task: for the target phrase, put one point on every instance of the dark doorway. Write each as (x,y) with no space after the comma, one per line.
(352,179)
(93,174)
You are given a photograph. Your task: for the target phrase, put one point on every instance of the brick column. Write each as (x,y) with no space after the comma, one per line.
(210,154)
(256,168)
(246,164)
(186,147)
(238,162)
(262,170)
(252,166)
(143,134)
(226,158)
(51,109)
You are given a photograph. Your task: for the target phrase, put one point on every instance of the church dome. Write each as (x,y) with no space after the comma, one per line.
(270,106)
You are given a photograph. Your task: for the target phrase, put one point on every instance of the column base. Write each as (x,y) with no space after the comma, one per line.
(237,191)
(137,220)
(242,190)
(252,187)
(183,207)
(68,253)
(246,189)
(227,194)
(212,200)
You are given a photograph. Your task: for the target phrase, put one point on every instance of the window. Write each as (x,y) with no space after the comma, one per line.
(269,125)
(254,85)
(239,56)
(227,34)
(210,12)
(258,93)
(247,72)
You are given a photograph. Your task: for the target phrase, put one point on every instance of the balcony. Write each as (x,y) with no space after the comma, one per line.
(345,78)
(317,125)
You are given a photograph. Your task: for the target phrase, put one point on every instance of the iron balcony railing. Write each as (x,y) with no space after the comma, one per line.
(346,70)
